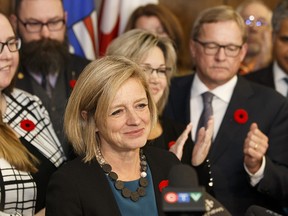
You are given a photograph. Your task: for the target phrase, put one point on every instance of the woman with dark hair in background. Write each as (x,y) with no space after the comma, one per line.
(160,20)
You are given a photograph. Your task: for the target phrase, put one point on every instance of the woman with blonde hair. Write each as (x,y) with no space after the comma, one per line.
(157,57)
(108,118)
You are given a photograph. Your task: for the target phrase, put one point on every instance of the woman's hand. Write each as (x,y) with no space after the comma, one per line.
(177,148)
(203,143)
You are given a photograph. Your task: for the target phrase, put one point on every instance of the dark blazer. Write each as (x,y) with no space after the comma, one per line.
(263,76)
(231,185)
(79,188)
(73,67)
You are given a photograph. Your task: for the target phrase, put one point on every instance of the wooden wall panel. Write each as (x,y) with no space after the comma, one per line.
(6,6)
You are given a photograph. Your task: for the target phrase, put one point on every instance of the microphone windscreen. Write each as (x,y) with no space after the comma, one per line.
(183,175)
(255,210)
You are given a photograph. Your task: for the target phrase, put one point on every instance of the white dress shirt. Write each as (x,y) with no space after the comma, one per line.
(279,82)
(221,99)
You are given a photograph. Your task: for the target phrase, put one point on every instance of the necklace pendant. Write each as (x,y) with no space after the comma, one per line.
(143,174)
(143,182)
(141,191)
(126,192)
(106,168)
(113,176)
(134,196)
(119,185)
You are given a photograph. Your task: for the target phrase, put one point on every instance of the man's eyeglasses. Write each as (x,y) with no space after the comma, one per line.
(211,48)
(252,21)
(161,71)
(35,27)
(13,45)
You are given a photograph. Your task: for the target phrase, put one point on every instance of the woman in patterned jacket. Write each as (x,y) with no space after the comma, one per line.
(29,149)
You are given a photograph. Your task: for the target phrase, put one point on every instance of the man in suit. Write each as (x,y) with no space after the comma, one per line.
(46,67)
(276,74)
(247,162)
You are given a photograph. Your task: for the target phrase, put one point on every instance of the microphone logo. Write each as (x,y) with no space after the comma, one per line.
(170,197)
(182,197)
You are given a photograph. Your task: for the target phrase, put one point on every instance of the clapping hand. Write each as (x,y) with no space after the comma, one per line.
(203,143)
(177,148)
(202,146)
(255,147)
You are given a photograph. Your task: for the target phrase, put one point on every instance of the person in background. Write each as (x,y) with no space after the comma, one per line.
(276,74)
(29,148)
(108,118)
(257,17)
(46,67)
(247,162)
(161,21)
(157,57)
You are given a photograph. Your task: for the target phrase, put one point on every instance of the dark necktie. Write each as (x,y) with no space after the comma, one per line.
(207,110)
(46,85)
(286,80)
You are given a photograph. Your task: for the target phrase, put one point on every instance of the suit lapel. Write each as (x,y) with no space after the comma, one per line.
(229,128)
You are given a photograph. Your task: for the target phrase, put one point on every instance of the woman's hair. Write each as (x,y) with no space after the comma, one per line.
(11,149)
(170,23)
(136,44)
(94,93)
(218,14)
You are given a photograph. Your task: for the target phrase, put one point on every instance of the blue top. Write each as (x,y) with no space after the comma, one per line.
(146,205)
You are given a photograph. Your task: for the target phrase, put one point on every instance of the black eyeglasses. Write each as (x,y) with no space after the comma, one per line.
(13,45)
(211,48)
(161,71)
(35,27)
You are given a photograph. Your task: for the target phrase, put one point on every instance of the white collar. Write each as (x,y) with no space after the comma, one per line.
(278,73)
(223,92)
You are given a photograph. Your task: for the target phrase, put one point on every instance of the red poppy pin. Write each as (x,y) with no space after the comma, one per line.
(27,125)
(170,144)
(241,116)
(163,184)
(72,83)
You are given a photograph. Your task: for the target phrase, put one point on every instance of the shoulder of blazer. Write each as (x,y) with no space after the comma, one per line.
(258,91)
(77,63)
(182,80)
(263,76)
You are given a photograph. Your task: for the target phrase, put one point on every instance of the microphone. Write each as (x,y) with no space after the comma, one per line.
(184,196)
(255,210)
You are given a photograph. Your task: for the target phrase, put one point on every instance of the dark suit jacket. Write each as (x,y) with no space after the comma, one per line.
(263,76)
(74,67)
(269,110)
(80,188)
